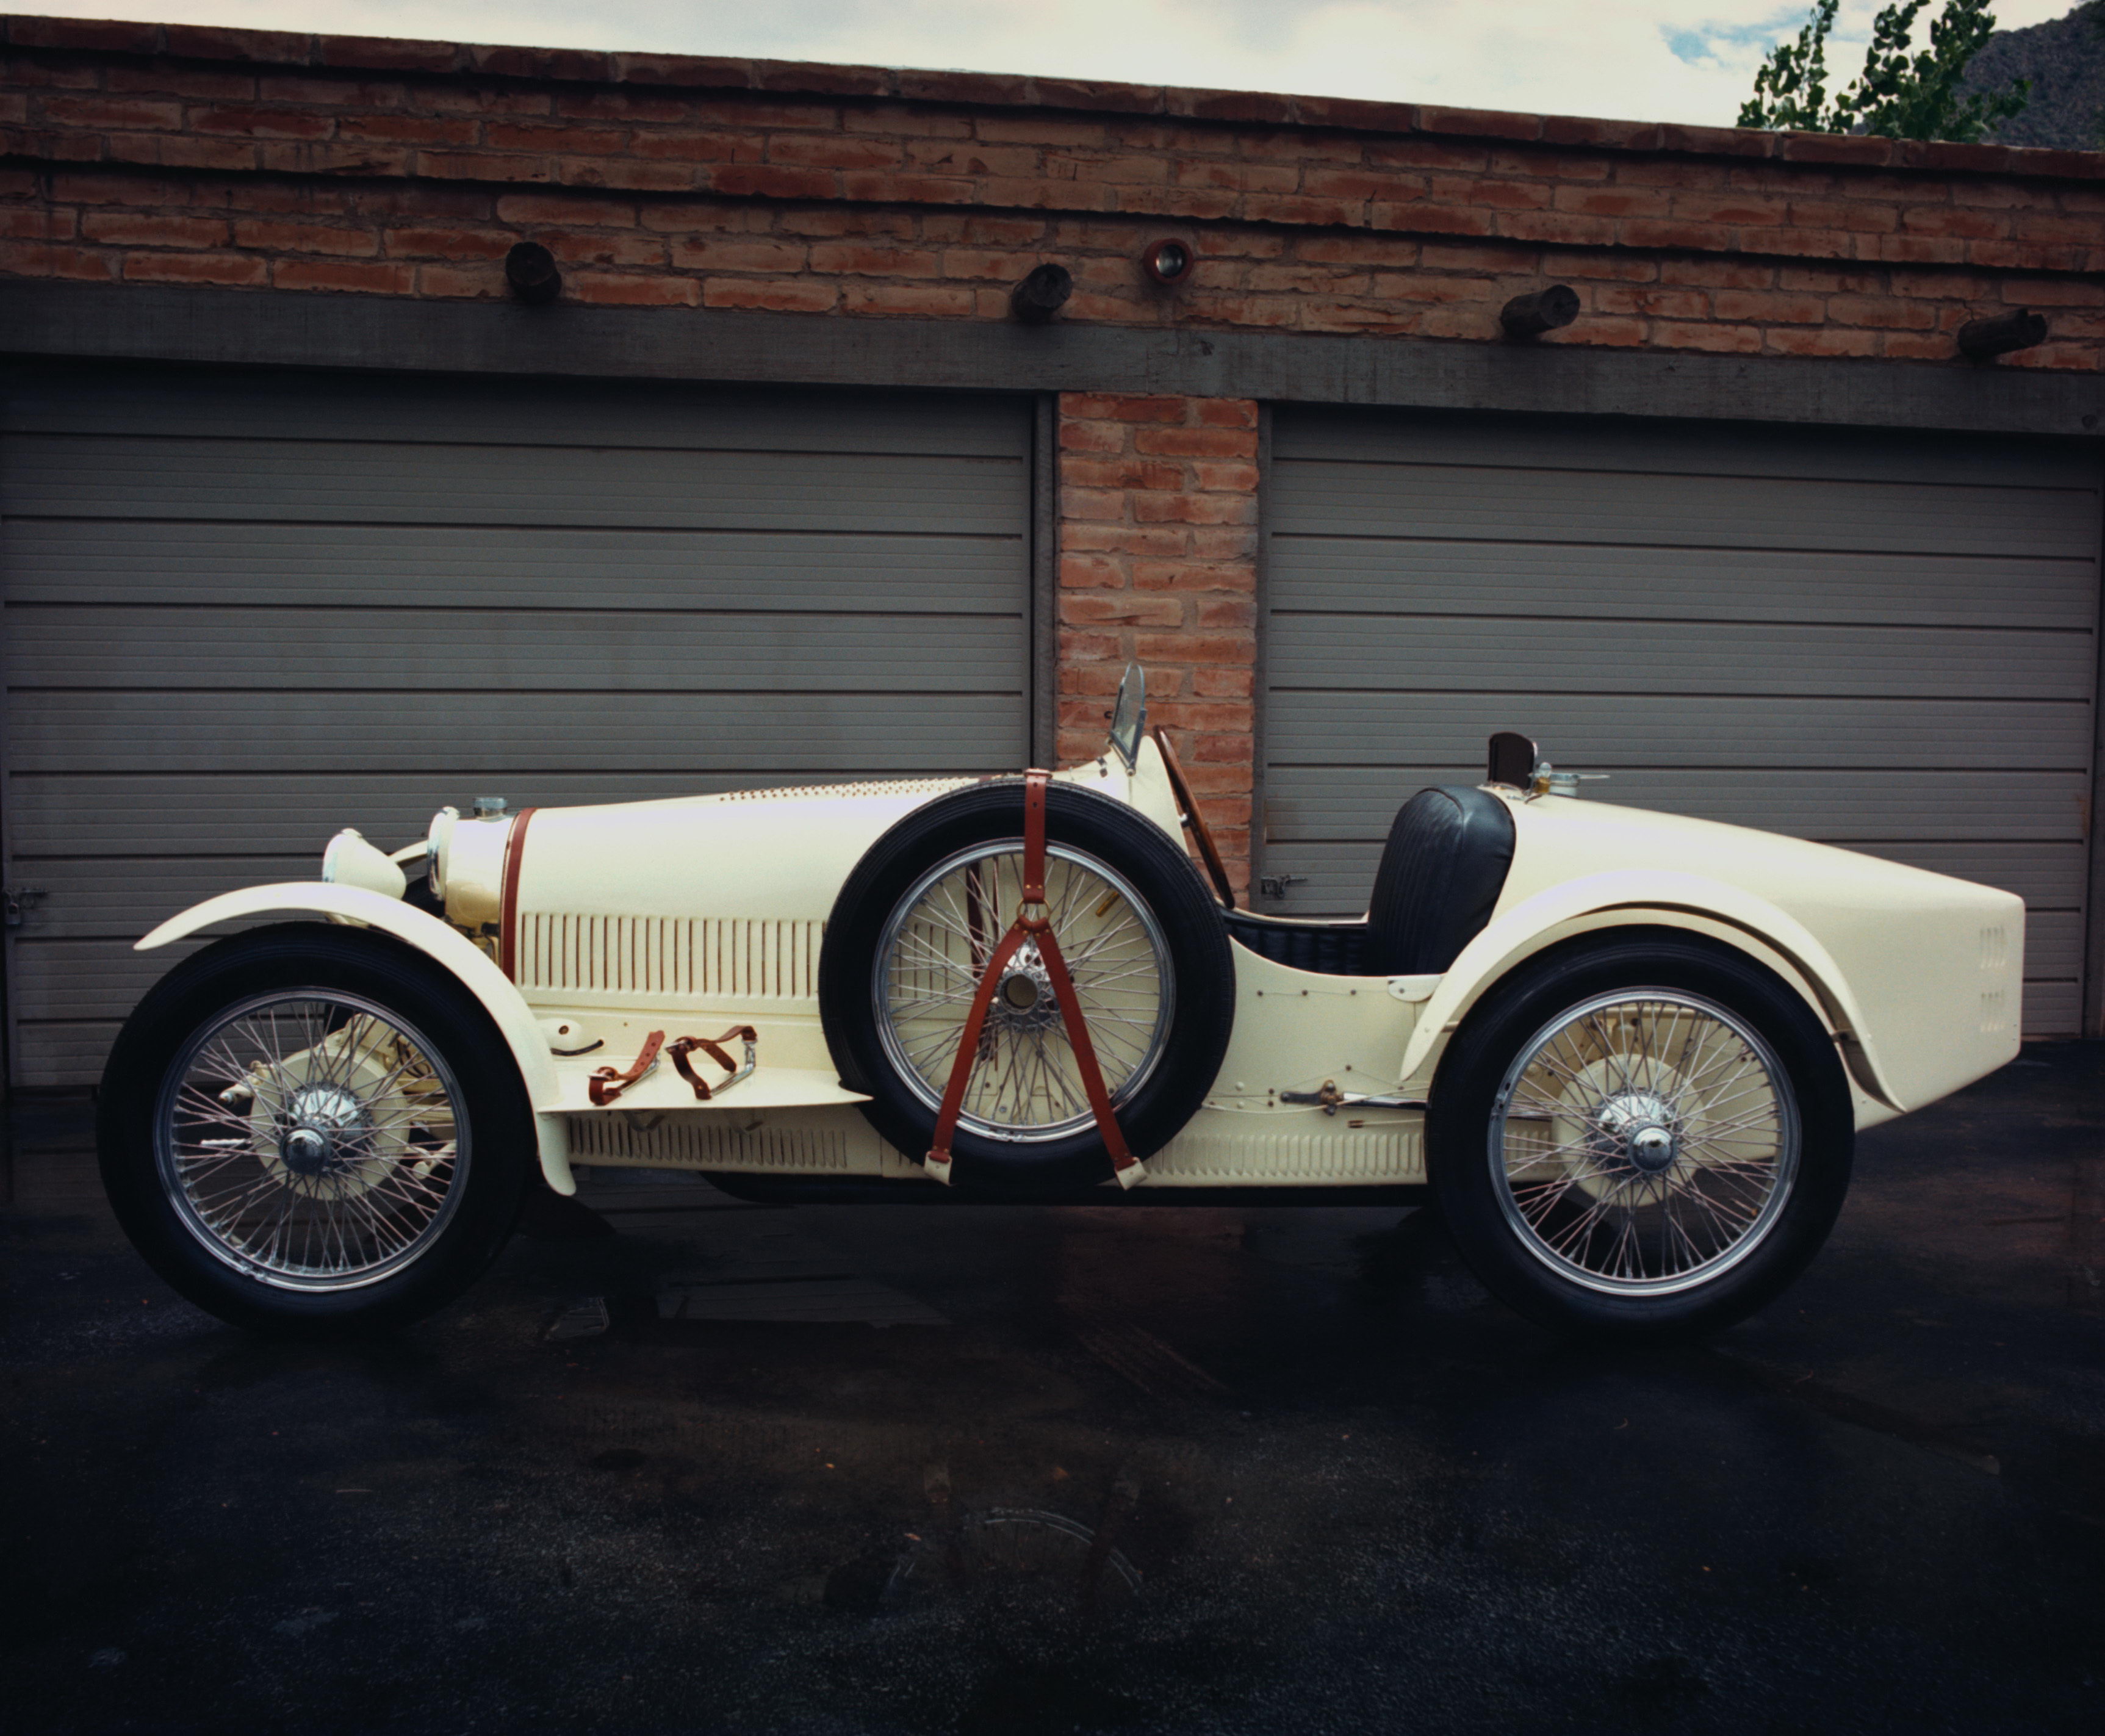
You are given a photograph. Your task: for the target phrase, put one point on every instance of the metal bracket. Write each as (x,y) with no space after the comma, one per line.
(19,901)
(1274,885)
(1330,1099)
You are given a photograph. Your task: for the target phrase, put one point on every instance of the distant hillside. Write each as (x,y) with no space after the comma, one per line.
(2065,60)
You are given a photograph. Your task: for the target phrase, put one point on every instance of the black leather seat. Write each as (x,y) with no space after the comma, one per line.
(1441,873)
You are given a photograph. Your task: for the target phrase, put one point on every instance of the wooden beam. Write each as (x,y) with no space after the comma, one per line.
(251,327)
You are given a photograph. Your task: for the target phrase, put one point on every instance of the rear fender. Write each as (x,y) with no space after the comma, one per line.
(1655,898)
(444,946)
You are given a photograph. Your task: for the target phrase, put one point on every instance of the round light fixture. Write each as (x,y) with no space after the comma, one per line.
(1169,261)
(531,269)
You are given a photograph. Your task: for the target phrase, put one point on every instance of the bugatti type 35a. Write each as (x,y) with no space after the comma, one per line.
(1626,1053)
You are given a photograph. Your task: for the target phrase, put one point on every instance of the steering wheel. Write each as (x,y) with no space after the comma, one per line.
(1217,871)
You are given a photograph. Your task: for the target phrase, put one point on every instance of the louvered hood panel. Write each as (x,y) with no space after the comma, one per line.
(696,960)
(712,900)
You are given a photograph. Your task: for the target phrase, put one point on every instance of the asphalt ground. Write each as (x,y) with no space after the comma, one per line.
(1191,1470)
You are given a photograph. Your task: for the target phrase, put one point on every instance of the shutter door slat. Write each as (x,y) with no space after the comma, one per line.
(459,651)
(1496,580)
(1582,505)
(510,733)
(1371,652)
(328,483)
(514,567)
(1538,443)
(1401,730)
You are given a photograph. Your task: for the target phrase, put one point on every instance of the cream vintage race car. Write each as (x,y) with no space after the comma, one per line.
(1627,1052)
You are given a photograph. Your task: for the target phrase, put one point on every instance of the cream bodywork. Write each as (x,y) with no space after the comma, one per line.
(1919,976)
(695,916)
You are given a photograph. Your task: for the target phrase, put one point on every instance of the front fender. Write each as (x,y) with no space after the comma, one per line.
(444,946)
(1644,895)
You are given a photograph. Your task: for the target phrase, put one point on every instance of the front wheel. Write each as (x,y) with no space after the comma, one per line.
(1642,1137)
(313,1129)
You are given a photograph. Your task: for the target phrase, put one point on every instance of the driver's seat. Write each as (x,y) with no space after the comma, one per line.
(1442,872)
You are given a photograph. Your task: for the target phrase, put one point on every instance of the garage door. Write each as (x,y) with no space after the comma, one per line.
(1884,642)
(243,611)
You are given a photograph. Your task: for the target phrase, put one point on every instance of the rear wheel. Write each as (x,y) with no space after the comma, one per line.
(1644,1137)
(313,1129)
(911,936)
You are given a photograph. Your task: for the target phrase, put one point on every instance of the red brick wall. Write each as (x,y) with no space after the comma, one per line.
(1158,564)
(180,155)
(275,162)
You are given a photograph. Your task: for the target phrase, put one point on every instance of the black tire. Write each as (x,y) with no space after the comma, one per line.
(1752,1223)
(1192,936)
(484,1170)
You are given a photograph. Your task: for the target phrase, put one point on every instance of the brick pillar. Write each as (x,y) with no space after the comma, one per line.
(1157,563)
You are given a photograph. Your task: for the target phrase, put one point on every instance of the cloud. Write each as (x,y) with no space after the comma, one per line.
(1713,45)
(1644,60)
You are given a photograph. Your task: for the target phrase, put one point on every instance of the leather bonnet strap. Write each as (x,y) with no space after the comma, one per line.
(606,1084)
(682,1047)
(1037,928)
(1034,837)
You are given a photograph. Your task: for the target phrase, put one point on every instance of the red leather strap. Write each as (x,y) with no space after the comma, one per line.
(1037,928)
(1085,1051)
(681,1047)
(1034,837)
(606,1084)
(968,1047)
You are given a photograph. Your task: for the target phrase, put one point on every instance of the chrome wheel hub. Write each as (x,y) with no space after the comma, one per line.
(1024,1001)
(326,1123)
(1635,1132)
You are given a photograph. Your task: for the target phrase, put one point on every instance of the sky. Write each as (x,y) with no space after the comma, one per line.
(1687,61)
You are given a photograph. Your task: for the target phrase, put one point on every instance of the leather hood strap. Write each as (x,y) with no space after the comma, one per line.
(1036,928)
(606,1084)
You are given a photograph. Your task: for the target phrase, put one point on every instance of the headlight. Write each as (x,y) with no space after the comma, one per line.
(436,843)
(468,863)
(350,860)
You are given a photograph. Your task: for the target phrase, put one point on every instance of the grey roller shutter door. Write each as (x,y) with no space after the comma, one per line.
(1884,642)
(242,611)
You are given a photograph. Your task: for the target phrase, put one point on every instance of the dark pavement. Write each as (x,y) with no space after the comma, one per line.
(1190,1470)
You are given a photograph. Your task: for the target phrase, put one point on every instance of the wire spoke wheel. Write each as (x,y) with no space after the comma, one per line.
(311,1139)
(1024,1086)
(918,922)
(1644,1141)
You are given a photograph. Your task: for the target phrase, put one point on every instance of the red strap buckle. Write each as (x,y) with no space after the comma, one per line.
(606,1084)
(1038,929)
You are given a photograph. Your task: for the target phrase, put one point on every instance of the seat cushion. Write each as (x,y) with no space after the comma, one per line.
(1331,949)
(1441,874)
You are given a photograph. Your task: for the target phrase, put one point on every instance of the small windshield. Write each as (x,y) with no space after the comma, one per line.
(1129,717)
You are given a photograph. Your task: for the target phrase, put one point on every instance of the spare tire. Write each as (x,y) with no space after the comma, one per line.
(1145,942)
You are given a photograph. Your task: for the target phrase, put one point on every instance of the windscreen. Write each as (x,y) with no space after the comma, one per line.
(1129,717)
